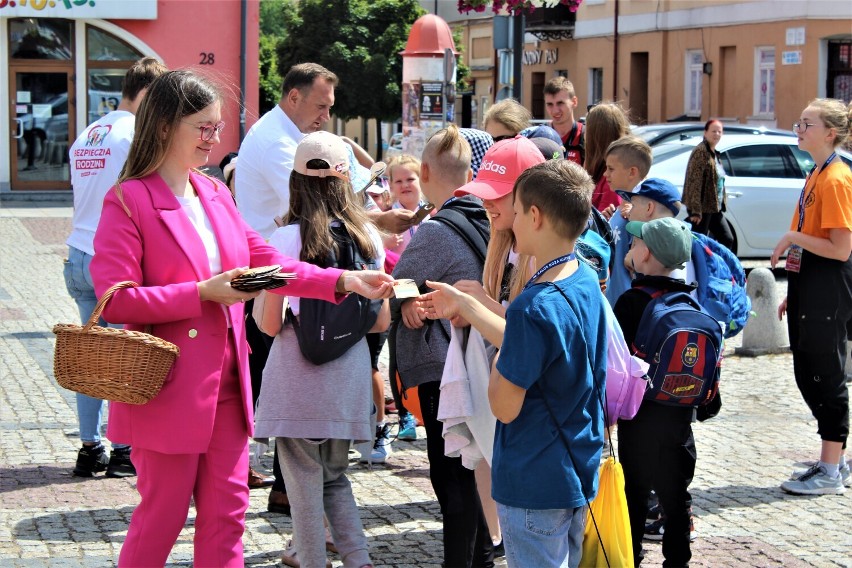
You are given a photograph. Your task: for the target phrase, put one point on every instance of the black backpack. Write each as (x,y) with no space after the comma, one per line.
(326,330)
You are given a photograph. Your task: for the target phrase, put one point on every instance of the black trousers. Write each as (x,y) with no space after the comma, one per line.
(657,452)
(259,344)
(716,225)
(467,541)
(819,312)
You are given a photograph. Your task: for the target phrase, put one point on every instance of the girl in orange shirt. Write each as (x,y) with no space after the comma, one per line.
(819,292)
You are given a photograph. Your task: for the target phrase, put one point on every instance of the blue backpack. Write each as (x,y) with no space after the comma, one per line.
(682,343)
(721,283)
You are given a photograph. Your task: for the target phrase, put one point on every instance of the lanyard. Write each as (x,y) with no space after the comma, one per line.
(555,262)
(802,195)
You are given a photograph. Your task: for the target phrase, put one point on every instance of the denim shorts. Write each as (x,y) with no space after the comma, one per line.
(542,537)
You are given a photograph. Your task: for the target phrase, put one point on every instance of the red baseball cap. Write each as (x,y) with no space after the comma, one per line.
(501,166)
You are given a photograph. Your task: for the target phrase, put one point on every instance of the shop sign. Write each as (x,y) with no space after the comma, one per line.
(537,56)
(78,9)
(791,57)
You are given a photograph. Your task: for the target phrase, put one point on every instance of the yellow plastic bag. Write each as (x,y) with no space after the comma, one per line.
(610,511)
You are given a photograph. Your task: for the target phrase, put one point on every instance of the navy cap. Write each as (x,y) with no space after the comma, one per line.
(659,190)
(548,148)
(542,131)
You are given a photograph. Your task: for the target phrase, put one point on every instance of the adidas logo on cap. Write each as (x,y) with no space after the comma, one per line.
(492,166)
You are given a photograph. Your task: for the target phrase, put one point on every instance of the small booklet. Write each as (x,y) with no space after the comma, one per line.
(405,288)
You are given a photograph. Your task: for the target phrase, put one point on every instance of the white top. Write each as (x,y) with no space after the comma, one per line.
(198,217)
(288,241)
(96,159)
(263,170)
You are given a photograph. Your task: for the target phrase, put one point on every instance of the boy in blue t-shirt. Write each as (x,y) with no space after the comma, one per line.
(628,161)
(552,354)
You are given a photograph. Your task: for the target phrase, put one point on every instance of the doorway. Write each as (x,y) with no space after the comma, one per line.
(41,129)
(639,87)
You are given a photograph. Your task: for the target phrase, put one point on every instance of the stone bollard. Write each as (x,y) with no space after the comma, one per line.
(764,333)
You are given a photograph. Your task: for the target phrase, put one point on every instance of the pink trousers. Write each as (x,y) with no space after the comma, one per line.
(216,480)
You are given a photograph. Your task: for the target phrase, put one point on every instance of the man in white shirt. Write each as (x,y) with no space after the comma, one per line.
(266,154)
(96,159)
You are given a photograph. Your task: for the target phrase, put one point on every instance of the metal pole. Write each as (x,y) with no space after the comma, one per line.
(615,56)
(517,54)
(243,23)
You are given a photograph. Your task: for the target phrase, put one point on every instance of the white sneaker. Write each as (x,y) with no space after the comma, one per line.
(381,447)
(814,482)
(845,473)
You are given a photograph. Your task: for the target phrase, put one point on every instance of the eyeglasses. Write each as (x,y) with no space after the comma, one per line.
(503,137)
(801,126)
(208,131)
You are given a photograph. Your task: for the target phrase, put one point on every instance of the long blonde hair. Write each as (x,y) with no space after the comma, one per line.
(499,245)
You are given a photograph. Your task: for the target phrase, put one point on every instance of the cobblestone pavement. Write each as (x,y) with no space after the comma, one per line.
(49,518)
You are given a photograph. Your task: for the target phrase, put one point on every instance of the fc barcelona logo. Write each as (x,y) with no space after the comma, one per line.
(689,356)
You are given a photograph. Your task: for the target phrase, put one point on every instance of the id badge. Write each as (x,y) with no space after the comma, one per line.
(794,259)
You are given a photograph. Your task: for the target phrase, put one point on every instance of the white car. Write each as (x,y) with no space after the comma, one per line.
(394,147)
(765,175)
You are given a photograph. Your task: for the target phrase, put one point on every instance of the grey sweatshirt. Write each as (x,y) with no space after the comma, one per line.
(438,253)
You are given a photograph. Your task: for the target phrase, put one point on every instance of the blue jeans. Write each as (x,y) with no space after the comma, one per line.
(542,537)
(78,282)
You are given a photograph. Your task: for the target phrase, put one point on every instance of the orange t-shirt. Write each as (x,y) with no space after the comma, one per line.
(828,201)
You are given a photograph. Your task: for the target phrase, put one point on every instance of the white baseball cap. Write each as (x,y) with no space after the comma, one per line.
(322,145)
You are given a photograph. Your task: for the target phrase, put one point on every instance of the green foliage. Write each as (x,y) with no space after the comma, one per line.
(273,15)
(270,80)
(462,70)
(360,41)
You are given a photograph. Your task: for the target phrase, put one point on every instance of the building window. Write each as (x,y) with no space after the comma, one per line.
(764,82)
(694,79)
(840,70)
(108,59)
(595,85)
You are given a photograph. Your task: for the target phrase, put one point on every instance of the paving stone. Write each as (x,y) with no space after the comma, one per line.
(50,518)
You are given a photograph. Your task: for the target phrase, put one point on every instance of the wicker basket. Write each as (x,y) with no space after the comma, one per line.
(111,364)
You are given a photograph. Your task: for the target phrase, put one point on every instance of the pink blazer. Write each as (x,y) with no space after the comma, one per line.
(158,248)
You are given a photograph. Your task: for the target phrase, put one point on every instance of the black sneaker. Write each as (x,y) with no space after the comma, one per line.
(120,464)
(90,460)
(654,513)
(655,530)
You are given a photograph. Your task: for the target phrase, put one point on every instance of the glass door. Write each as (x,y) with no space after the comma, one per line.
(42,127)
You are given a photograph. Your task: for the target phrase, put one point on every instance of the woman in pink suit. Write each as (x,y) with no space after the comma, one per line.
(176,233)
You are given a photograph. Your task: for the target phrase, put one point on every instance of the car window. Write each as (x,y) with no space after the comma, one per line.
(803,159)
(759,160)
(666,151)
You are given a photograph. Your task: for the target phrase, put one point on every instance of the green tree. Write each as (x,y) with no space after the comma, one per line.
(360,41)
(273,14)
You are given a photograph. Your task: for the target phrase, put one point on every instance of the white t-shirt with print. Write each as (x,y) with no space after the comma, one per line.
(96,159)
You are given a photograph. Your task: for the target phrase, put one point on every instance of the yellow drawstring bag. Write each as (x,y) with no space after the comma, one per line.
(610,513)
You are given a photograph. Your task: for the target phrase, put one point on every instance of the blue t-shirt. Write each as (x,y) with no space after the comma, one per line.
(619,277)
(546,347)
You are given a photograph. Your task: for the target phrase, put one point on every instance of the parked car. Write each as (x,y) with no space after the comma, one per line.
(394,147)
(655,134)
(765,175)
